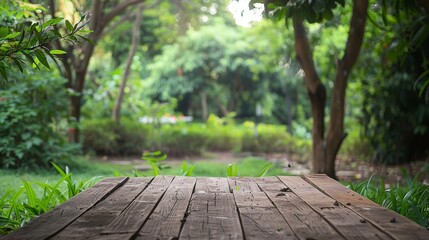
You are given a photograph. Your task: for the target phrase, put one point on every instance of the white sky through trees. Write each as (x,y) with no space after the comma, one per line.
(243,15)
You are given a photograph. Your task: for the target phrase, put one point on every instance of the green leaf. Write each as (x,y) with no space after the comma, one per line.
(18,64)
(52,22)
(264,170)
(28,56)
(69,26)
(31,195)
(12,35)
(57,52)
(42,58)
(3,72)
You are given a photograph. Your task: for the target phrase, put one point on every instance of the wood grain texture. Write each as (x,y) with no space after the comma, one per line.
(302,219)
(348,223)
(220,208)
(93,222)
(166,220)
(212,185)
(54,221)
(392,222)
(133,217)
(260,219)
(212,212)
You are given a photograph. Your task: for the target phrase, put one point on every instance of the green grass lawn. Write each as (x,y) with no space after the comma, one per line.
(250,166)
(84,169)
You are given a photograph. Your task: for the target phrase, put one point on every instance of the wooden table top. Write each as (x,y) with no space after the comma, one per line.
(165,207)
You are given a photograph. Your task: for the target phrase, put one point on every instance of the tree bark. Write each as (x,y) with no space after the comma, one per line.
(325,150)
(132,51)
(76,66)
(204,106)
(316,92)
(288,104)
(336,135)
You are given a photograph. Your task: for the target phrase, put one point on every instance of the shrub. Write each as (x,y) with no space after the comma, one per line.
(29,113)
(99,137)
(224,138)
(178,140)
(106,137)
(269,139)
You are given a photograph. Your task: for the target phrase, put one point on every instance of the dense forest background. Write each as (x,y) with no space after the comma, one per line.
(102,77)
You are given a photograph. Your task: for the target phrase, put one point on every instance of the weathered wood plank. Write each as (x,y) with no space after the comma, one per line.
(166,220)
(212,185)
(260,219)
(348,223)
(92,222)
(133,217)
(54,221)
(212,213)
(303,220)
(392,222)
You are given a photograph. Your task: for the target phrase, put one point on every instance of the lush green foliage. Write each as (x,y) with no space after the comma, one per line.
(32,117)
(410,200)
(229,69)
(395,118)
(24,41)
(106,137)
(18,206)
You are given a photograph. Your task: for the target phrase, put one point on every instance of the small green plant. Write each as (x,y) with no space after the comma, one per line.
(34,198)
(155,161)
(410,200)
(186,169)
(264,170)
(232,170)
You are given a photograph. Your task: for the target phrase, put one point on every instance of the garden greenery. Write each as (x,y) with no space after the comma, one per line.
(105,137)
(410,200)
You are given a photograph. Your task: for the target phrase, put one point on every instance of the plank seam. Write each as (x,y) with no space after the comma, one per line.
(351,208)
(231,191)
(290,226)
(317,212)
(134,235)
(185,217)
(93,205)
(147,185)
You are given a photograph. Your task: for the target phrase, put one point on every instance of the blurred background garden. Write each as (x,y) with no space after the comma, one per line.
(94,88)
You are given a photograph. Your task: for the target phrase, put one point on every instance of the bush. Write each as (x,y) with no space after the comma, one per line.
(106,137)
(29,117)
(178,140)
(224,138)
(269,139)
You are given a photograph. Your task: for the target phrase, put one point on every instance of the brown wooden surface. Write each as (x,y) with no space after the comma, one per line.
(313,207)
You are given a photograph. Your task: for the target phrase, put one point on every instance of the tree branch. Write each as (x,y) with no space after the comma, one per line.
(117,10)
(355,38)
(305,55)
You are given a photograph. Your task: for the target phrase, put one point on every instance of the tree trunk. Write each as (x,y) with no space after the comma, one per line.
(204,106)
(76,62)
(288,104)
(325,150)
(336,133)
(132,51)
(316,92)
